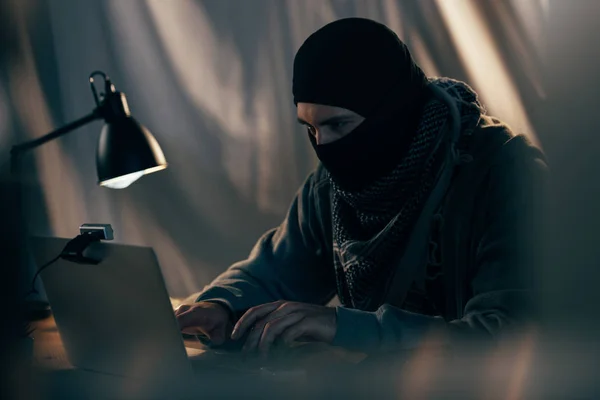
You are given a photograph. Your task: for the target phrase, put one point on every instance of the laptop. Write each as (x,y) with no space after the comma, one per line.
(115,317)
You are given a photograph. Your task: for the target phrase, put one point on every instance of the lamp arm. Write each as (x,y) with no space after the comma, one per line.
(20,148)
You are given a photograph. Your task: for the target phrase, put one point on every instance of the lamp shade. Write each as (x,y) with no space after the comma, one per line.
(126,152)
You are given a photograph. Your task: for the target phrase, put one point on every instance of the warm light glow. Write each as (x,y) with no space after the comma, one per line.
(518,379)
(422,54)
(123,181)
(125,105)
(484,63)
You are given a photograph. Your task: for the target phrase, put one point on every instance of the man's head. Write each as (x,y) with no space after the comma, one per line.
(354,77)
(354,64)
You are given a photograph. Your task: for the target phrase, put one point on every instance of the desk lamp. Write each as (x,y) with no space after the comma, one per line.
(126,149)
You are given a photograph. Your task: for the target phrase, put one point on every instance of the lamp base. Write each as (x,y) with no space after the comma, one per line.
(36,310)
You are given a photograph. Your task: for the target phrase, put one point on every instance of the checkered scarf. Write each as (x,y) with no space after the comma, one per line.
(371,226)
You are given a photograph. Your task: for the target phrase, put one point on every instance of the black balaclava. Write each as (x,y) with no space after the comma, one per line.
(361,65)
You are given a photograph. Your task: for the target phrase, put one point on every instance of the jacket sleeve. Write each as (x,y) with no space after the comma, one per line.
(287,263)
(501,285)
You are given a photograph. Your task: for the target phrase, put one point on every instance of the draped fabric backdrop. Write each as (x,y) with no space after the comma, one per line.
(212,81)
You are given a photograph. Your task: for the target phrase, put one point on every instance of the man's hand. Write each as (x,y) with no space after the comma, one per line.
(288,321)
(204,318)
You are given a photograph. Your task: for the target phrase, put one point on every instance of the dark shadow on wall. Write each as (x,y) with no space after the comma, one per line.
(14,372)
(16,16)
(231,24)
(250,36)
(26,213)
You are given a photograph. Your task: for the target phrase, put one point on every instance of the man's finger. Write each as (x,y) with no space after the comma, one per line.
(217,336)
(295,332)
(193,330)
(253,338)
(285,309)
(275,328)
(182,308)
(251,317)
(258,330)
(191,319)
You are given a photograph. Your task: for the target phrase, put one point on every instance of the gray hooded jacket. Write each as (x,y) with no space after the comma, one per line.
(482,216)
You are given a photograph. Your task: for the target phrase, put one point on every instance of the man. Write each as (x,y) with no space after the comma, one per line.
(420,216)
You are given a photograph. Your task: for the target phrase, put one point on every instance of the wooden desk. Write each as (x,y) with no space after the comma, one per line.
(58,378)
(48,350)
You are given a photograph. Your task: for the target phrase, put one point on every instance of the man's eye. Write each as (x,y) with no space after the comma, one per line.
(311,130)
